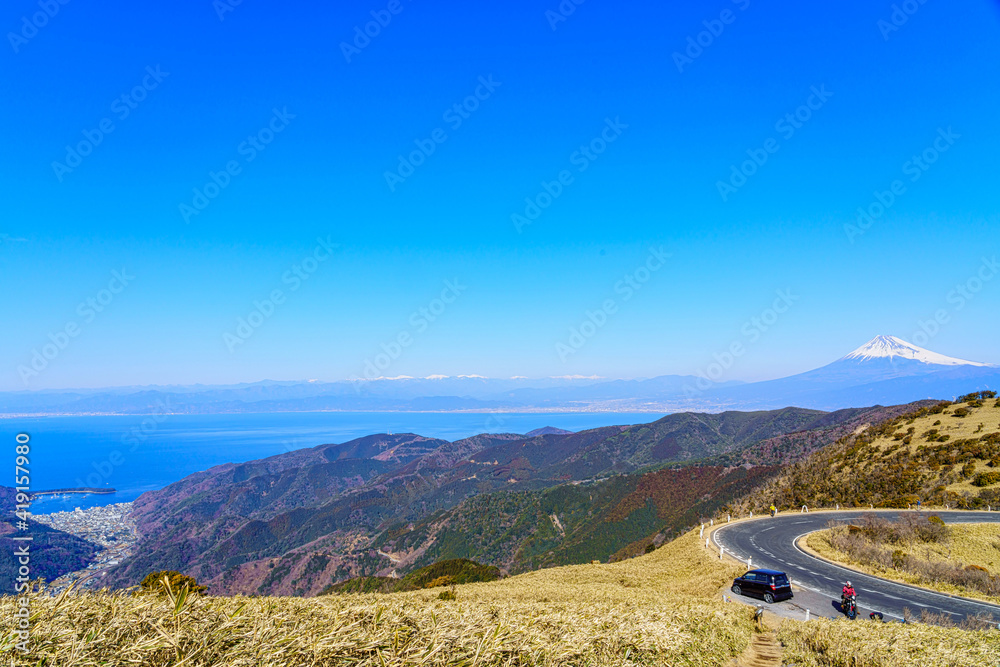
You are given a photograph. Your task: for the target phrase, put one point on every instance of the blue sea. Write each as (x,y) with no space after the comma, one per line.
(135,454)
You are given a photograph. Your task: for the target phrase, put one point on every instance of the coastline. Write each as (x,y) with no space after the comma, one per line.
(84,491)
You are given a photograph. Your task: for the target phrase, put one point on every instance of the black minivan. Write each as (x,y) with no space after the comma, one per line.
(768,584)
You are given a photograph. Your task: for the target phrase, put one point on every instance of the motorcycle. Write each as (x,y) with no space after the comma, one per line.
(849,605)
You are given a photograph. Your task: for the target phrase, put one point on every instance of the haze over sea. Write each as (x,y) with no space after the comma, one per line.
(102,451)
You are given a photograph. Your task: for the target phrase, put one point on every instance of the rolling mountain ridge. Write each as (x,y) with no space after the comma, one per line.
(884,371)
(297,522)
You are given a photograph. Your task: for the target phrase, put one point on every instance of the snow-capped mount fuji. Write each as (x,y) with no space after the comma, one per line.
(891,347)
(886,370)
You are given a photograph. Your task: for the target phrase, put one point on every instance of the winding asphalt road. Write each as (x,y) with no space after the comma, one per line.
(770,543)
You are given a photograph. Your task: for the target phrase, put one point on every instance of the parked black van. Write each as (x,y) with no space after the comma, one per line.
(768,584)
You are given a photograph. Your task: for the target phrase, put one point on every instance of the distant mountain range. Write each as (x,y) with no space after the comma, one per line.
(886,370)
(384,504)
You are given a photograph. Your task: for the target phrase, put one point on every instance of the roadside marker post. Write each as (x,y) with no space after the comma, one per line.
(707,542)
(711,522)
(702,533)
(807,615)
(720,553)
(729,518)
(749,566)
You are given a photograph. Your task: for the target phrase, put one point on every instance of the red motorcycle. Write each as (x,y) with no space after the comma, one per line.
(849,605)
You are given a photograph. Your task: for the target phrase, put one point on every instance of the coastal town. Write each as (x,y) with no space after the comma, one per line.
(110,527)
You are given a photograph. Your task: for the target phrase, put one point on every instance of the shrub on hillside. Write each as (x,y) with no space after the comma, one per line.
(153,582)
(976,396)
(986,479)
(865,544)
(442,573)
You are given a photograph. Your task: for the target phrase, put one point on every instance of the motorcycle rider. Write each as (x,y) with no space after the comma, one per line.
(847,592)
(774,510)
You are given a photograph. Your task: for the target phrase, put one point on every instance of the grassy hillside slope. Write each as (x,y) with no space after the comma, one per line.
(947,455)
(660,609)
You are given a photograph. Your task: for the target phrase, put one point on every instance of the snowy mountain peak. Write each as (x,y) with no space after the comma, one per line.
(890,347)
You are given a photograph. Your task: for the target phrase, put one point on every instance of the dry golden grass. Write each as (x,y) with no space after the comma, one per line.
(661,609)
(957,427)
(844,643)
(969,544)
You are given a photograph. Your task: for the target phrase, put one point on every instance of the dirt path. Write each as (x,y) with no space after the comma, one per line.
(764,651)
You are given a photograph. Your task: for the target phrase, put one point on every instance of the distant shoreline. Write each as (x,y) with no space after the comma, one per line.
(664,409)
(83,490)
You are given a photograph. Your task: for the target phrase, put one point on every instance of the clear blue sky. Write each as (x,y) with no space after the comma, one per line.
(521,290)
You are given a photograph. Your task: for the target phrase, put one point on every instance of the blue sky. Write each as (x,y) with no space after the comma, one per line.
(200,90)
